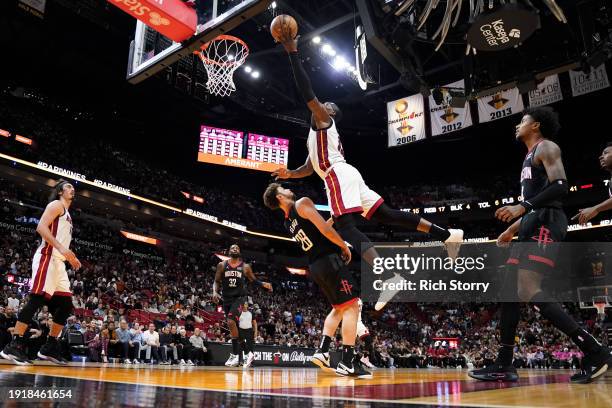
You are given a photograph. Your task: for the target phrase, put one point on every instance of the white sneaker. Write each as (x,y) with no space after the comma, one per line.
(366,362)
(135,361)
(249,360)
(387,294)
(182,362)
(321,359)
(232,361)
(453,243)
(189,362)
(127,361)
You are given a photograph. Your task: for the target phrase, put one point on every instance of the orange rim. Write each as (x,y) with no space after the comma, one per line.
(207,60)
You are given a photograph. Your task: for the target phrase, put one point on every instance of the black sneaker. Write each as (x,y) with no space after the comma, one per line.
(495,372)
(593,365)
(50,351)
(354,370)
(15,352)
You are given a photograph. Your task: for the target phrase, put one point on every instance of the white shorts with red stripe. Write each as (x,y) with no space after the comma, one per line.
(348,193)
(49,277)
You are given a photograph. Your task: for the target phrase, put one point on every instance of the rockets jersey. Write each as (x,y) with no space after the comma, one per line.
(234,280)
(534,179)
(324,149)
(308,236)
(61,228)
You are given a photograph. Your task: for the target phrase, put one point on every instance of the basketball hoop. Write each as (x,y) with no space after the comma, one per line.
(221,57)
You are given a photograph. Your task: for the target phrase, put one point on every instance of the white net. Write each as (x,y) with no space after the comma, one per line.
(221,57)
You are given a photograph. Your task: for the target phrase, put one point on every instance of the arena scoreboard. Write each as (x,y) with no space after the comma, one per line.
(237,149)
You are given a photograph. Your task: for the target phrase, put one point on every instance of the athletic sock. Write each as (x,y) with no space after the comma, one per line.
(441,233)
(325,342)
(508,322)
(348,353)
(235,346)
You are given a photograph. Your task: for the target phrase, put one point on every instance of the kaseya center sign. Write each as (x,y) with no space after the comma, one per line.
(505,27)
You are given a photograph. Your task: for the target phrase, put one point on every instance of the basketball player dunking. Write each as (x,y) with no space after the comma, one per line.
(540,217)
(50,284)
(587,214)
(347,193)
(328,255)
(231,275)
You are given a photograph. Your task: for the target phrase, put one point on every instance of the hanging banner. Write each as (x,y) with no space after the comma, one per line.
(34,7)
(584,84)
(406,120)
(500,105)
(549,91)
(445,118)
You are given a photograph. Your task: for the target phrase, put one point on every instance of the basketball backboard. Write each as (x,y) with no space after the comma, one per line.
(151,52)
(588,295)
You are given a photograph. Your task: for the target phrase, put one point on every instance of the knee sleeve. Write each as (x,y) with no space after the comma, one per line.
(389,216)
(35,303)
(61,307)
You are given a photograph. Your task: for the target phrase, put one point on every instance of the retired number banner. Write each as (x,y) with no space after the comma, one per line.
(500,105)
(549,91)
(445,118)
(406,120)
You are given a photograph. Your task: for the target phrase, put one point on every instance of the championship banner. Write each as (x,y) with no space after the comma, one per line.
(34,7)
(500,105)
(445,118)
(406,120)
(549,91)
(584,84)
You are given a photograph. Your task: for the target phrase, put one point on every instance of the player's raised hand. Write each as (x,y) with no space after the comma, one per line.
(281,173)
(71,258)
(504,239)
(267,286)
(215,297)
(290,44)
(509,212)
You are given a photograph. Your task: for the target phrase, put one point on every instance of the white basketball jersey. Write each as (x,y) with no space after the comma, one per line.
(61,228)
(325,149)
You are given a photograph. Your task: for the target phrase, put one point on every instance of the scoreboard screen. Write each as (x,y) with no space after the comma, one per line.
(268,149)
(232,148)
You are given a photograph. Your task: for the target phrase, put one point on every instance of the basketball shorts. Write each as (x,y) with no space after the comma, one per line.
(232,307)
(49,277)
(348,193)
(335,280)
(539,237)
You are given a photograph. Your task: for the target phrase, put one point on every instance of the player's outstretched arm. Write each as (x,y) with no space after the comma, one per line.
(248,272)
(218,282)
(304,170)
(587,214)
(302,81)
(306,209)
(55,209)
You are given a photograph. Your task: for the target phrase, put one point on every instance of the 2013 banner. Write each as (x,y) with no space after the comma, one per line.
(500,105)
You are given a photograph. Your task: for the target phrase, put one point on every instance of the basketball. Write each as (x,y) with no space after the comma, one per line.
(283,25)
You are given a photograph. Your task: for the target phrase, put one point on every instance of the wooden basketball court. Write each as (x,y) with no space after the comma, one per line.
(143,385)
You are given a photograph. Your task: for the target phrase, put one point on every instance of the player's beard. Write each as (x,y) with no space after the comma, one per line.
(235,255)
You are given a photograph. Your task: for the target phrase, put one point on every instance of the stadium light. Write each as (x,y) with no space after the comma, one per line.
(255,74)
(273,5)
(248,69)
(316,40)
(340,63)
(327,49)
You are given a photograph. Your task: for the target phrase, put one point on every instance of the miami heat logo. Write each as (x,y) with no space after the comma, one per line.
(543,237)
(277,357)
(346,287)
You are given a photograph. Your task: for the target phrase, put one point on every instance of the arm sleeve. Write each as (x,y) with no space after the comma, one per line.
(555,191)
(301,78)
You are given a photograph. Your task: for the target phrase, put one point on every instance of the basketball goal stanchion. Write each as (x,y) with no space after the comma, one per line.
(221,57)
